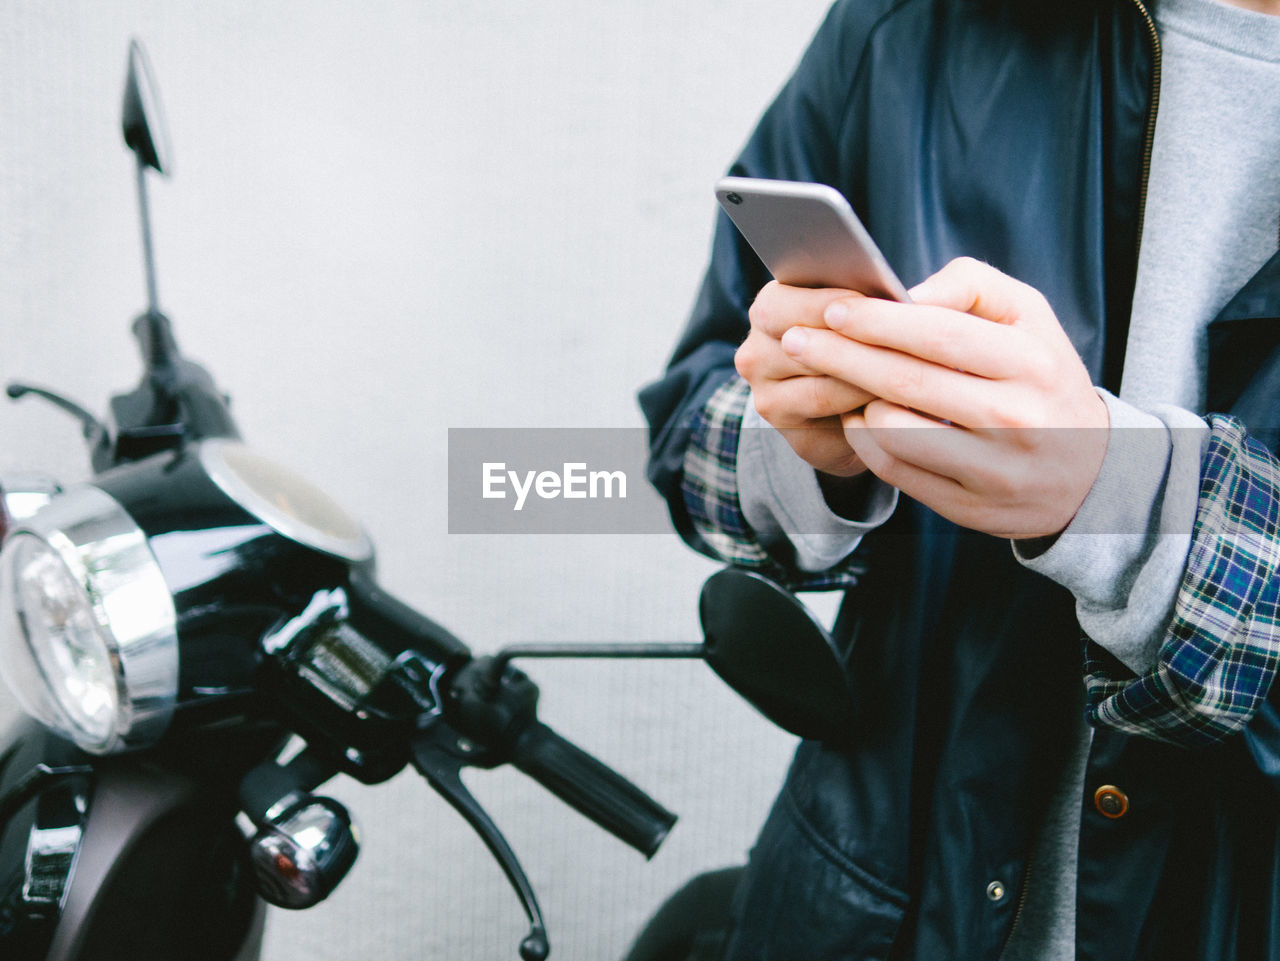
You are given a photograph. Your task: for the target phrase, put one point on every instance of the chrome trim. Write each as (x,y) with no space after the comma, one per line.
(24,494)
(108,556)
(311,517)
(301,854)
(285,872)
(53,845)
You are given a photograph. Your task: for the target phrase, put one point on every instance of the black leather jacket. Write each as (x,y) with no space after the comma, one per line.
(1018,132)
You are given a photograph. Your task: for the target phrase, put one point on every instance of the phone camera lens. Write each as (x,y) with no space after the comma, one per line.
(734,199)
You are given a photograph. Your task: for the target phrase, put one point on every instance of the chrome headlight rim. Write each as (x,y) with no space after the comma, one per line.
(108,557)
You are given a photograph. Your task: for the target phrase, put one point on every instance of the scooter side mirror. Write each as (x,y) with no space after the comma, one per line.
(142,116)
(766,645)
(758,637)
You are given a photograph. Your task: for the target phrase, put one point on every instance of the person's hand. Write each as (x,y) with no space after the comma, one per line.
(983,409)
(805,405)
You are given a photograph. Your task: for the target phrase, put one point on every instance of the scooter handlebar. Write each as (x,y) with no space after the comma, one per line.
(592,788)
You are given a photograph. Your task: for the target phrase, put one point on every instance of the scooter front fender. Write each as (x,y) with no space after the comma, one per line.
(106,858)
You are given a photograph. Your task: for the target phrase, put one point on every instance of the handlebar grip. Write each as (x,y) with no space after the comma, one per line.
(594,789)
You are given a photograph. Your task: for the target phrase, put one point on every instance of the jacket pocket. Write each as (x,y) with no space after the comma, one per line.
(801,899)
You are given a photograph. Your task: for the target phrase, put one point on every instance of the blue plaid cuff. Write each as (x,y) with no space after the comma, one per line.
(710,487)
(1221,651)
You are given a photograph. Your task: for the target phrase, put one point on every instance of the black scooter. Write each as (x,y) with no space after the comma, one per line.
(200,642)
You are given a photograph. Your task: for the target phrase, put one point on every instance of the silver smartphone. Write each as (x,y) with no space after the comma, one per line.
(808,236)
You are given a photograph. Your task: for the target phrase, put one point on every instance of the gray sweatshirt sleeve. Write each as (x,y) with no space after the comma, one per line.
(1124,553)
(783,504)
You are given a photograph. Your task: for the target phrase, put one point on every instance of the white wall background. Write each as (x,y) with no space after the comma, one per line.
(388,219)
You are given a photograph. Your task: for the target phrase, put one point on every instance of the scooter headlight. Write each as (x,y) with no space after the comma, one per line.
(88,639)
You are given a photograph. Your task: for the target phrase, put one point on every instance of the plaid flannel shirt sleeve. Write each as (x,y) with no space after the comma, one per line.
(1221,651)
(710,489)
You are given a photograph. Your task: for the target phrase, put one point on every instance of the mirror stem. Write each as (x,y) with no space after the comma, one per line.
(498,663)
(148,254)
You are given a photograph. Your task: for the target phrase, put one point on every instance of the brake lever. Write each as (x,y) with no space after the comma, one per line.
(94,431)
(439,753)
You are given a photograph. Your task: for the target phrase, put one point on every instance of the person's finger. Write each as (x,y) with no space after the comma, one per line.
(909,478)
(778,307)
(761,360)
(822,445)
(935,446)
(798,400)
(941,335)
(939,391)
(972,287)
(943,494)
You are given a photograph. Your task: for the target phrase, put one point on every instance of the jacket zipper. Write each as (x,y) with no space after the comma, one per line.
(1023,883)
(1150,134)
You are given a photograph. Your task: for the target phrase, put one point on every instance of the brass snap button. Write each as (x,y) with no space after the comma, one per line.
(995,892)
(1111,802)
